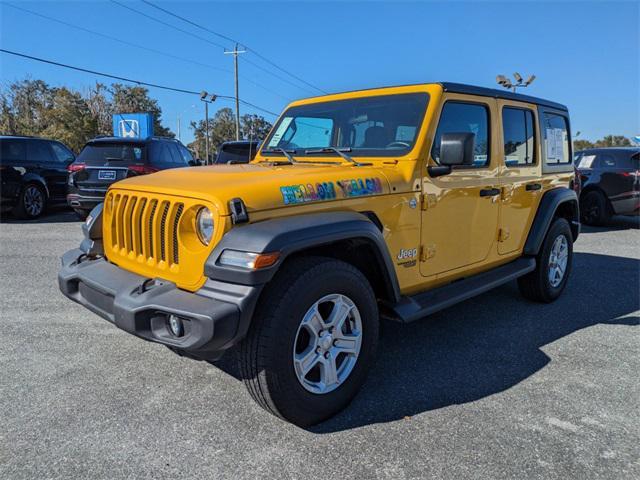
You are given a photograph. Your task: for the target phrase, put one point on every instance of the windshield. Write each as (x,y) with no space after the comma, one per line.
(99,154)
(382,126)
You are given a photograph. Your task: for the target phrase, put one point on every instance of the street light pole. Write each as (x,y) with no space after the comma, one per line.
(206,129)
(235,53)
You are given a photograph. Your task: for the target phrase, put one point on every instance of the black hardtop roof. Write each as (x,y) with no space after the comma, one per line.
(495,93)
(475,90)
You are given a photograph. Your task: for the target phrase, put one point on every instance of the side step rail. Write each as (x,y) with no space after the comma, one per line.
(414,307)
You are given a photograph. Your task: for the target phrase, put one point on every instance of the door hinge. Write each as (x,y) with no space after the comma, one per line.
(503,234)
(505,193)
(427,252)
(427,200)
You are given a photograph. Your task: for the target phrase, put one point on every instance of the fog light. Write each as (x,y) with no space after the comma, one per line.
(176,326)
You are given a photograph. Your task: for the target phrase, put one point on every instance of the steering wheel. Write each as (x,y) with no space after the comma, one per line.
(398,144)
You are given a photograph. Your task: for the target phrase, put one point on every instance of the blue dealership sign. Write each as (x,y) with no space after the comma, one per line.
(133,125)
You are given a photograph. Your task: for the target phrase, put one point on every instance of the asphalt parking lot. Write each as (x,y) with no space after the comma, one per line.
(496,387)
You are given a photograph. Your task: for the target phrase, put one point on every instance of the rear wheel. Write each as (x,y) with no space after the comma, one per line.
(312,340)
(594,209)
(553,265)
(31,203)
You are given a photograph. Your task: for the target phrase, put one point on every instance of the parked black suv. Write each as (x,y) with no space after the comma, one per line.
(241,151)
(105,160)
(33,173)
(610,183)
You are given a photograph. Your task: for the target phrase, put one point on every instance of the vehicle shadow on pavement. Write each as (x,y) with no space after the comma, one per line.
(483,346)
(52,216)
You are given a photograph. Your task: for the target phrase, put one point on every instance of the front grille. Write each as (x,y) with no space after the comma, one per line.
(144,228)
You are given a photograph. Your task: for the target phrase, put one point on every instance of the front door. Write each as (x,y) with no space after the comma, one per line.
(460,210)
(521,175)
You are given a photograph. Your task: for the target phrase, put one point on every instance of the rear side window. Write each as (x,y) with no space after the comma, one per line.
(606,160)
(63,154)
(39,151)
(12,150)
(101,153)
(458,117)
(176,157)
(556,139)
(238,153)
(186,154)
(161,155)
(519,141)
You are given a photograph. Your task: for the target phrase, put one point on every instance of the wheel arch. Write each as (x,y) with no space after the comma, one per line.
(30,178)
(348,236)
(600,190)
(559,202)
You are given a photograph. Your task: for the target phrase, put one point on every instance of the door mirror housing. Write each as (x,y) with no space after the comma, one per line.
(457,149)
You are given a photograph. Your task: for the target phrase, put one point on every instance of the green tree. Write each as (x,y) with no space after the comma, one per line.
(254,127)
(128,99)
(222,128)
(582,144)
(69,119)
(613,141)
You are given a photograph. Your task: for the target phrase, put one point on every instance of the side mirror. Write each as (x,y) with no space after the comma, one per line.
(455,149)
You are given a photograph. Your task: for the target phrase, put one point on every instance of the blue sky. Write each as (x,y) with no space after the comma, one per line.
(584,54)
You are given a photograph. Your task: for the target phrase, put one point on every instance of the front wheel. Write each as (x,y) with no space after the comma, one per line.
(312,340)
(553,265)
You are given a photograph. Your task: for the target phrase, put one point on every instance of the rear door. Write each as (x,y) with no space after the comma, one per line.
(520,174)
(619,179)
(44,163)
(106,163)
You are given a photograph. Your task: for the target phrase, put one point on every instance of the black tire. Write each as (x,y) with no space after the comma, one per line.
(266,354)
(536,285)
(31,203)
(81,213)
(594,209)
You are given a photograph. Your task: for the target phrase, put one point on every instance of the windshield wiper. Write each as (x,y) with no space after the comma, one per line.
(340,151)
(286,153)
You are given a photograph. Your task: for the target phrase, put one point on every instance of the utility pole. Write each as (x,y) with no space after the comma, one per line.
(235,53)
(179,136)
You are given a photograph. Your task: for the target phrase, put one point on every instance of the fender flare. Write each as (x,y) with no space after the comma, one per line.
(551,201)
(289,235)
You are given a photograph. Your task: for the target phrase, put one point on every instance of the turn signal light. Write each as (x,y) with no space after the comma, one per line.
(248,260)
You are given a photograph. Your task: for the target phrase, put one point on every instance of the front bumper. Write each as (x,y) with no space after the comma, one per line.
(214,317)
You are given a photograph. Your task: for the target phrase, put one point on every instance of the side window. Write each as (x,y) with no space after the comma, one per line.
(176,158)
(38,151)
(519,142)
(459,117)
(63,155)
(556,139)
(186,154)
(160,155)
(606,160)
(12,151)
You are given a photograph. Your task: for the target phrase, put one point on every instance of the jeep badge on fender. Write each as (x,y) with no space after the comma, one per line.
(412,197)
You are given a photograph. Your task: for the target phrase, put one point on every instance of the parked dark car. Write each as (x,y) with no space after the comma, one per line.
(610,183)
(33,173)
(106,160)
(241,151)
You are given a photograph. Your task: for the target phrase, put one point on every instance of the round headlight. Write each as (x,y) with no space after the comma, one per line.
(204,225)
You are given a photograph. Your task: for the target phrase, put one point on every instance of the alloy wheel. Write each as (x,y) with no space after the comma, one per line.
(558,260)
(327,343)
(33,201)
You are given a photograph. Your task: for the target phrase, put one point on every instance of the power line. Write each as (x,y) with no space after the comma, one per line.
(115,39)
(262,57)
(150,17)
(130,80)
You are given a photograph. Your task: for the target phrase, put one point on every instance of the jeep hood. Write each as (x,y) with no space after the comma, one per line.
(265,186)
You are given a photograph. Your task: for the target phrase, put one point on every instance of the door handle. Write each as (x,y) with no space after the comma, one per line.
(489,192)
(533,186)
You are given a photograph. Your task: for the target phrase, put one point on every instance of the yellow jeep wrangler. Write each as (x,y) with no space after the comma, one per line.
(391,202)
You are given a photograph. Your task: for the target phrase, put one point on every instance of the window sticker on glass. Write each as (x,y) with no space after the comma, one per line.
(586,161)
(555,144)
(286,121)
